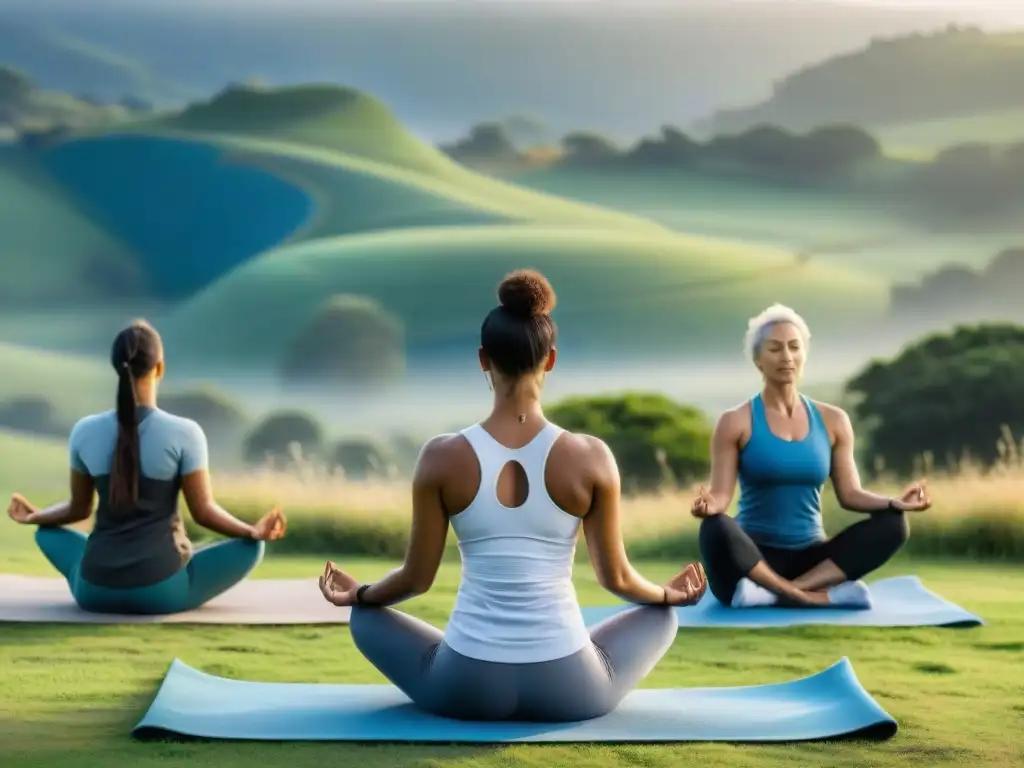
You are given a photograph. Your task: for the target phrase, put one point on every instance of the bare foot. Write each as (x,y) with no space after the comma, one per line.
(813,599)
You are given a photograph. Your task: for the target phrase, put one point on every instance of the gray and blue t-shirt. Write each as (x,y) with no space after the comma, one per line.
(141,546)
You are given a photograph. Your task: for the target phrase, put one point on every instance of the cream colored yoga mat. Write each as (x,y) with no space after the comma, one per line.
(254,601)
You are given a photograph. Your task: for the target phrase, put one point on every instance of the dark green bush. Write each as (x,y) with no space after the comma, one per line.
(656,441)
(278,433)
(351,341)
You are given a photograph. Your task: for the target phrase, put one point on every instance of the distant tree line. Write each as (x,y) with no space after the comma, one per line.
(943,399)
(766,149)
(965,183)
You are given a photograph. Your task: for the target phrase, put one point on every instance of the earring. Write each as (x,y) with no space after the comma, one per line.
(490,384)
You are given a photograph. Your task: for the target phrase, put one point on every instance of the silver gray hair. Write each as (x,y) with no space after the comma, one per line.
(760,325)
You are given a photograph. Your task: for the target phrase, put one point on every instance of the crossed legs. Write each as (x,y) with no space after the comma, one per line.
(730,556)
(211,571)
(414,657)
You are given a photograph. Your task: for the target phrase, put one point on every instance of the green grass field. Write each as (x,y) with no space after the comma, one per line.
(70,694)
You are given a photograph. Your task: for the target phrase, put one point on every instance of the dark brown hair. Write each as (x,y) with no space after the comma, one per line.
(519,334)
(136,351)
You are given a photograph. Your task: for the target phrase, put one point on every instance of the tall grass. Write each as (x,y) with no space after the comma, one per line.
(977,513)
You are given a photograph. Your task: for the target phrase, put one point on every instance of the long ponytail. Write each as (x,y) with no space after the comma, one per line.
(137,350)
(125,469)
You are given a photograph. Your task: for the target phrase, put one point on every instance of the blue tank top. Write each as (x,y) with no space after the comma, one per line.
(781,481)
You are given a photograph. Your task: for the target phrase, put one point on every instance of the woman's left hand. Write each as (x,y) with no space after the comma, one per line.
(337,586)
(915,498)
(20,510)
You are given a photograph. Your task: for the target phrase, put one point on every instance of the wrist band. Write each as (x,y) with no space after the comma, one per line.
(892,506)
(360,592)
(664,599)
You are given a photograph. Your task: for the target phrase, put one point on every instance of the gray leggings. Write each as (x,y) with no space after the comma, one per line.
(589,683)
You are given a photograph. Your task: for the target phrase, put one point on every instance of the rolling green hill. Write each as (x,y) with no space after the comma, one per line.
(52,252)
(964,78)
(620,292)
(198,194)
(326,116)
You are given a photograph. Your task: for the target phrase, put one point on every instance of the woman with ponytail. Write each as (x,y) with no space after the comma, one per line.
(137,459)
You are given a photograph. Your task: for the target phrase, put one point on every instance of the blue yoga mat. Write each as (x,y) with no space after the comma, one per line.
(902,601)
(831,704)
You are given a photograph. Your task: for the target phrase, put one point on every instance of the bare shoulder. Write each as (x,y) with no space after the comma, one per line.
(585,451)
(836,419)
(733,422)
(441,455)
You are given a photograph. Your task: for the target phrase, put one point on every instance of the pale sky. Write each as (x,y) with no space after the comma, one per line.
(1004,11)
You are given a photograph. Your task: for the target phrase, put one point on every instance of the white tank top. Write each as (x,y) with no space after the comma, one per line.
(516,602)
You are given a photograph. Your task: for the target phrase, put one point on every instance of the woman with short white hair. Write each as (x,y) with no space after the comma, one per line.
(782,446)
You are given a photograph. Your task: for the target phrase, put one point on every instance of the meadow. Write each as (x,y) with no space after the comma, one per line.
(73,692)
(283,198)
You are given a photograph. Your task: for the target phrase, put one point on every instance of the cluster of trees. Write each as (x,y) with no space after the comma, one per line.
(765,149)
(656,441)
(286,438)
(946,398)
(964,183)
(349,341)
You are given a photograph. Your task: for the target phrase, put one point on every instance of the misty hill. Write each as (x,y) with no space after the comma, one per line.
(442,66)
(325,116)
(953,73)
(161,206)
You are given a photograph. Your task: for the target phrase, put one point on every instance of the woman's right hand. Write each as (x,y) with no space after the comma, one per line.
(688,587)
(271,526)
(338,587)
(703,505)
(20,510)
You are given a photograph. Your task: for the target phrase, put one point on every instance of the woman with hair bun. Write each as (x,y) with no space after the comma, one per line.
(137,459)
(516,489)
(782,446)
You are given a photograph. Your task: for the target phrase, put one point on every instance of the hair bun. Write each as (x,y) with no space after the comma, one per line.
(526,293)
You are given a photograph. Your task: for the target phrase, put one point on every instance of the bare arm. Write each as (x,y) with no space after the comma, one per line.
(428,535)
(725,457)
(76,510)
(207,512)
(845,476)
(603,529)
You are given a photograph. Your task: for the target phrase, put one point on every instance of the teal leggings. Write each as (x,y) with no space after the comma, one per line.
(211,571)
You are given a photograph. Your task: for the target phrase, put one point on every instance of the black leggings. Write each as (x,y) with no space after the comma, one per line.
(729,554)
(589,683)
